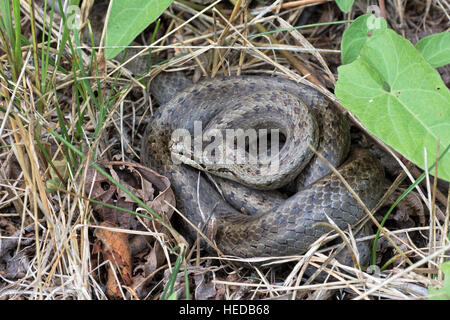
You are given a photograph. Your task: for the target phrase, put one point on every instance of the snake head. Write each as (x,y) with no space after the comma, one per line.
(201,156)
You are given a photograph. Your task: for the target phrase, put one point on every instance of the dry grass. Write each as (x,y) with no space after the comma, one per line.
(51,234)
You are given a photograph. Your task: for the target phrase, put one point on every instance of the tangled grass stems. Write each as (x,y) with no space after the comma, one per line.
(61,264)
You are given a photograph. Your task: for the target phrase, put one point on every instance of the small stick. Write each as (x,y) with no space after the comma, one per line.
(299,3)
(382,8)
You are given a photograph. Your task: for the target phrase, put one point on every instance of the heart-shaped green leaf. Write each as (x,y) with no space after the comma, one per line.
(435,49)
(345,5)
(129,18)
(361,30)
(400,98)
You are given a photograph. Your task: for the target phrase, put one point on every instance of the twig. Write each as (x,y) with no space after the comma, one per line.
(382,8)
(299,3)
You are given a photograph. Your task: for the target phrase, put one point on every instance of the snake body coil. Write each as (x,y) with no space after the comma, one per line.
(275,226)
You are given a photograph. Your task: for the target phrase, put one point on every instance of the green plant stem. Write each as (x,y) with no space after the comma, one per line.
(35,49)
(17,36)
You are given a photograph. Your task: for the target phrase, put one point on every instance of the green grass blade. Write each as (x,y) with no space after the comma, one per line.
(17,36)
(186,282)
(168,290)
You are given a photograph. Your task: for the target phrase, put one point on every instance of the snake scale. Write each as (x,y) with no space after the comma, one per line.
(271,225)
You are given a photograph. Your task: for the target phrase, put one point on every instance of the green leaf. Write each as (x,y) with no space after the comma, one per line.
(435,49)
(345,5)
(128,19)
(173,296)
(361,30)
(399,98)
(444,292)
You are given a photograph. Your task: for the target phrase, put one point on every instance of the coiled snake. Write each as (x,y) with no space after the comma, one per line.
(272,225)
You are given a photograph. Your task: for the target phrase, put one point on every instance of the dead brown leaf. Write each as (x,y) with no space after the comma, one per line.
(144,272)
(141,181)
(115,249)
(204,288)
(410,206)
(151,188)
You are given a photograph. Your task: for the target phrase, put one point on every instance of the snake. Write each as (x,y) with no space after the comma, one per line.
(250,216)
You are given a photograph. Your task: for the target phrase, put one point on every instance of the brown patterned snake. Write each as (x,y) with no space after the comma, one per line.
(273,225)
